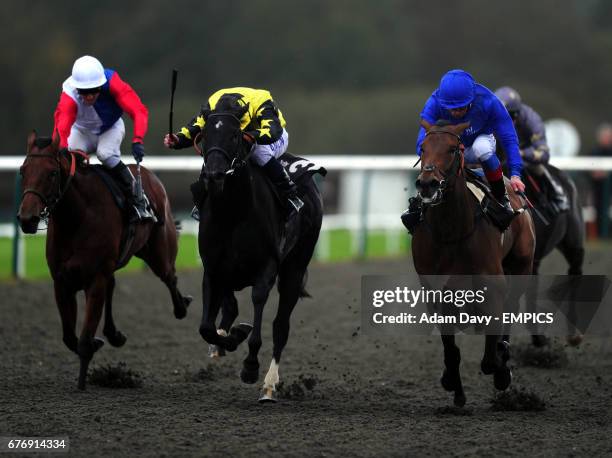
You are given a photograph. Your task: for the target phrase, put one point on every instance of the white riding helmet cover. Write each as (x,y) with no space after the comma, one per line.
(87,73)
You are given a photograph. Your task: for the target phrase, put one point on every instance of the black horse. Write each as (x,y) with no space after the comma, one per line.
(245,241)
(562,230)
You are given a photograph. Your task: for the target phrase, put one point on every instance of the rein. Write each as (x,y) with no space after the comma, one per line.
(456,168)
(50,202)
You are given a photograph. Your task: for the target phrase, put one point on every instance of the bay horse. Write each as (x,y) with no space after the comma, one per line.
(453,240)
(84,240)
(245,241)
(563,230)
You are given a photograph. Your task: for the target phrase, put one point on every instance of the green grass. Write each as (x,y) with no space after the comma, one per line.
(342,245)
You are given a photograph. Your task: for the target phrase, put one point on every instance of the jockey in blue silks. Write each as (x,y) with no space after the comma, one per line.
(460,99)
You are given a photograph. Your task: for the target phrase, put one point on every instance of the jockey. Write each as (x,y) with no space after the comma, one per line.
(88,118)
(532,143)
(264,123)
(460,99)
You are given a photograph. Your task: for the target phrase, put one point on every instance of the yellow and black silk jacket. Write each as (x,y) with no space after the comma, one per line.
(262,120)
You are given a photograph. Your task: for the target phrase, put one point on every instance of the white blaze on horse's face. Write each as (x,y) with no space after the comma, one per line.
(219,124)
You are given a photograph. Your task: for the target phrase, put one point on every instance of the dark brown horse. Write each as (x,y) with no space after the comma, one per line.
(453,241)
(84,240)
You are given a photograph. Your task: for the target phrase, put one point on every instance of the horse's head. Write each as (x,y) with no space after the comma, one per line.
(441,160)
(40,181)
(225,149)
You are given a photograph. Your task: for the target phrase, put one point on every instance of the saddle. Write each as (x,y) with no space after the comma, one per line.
(300,170)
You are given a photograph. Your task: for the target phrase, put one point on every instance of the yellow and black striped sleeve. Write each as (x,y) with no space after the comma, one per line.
(266,127)
(187,134)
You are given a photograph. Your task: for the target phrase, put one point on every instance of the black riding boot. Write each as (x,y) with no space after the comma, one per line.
(286,187)
(138,207)
(507,213)
(559,200)
(412,216)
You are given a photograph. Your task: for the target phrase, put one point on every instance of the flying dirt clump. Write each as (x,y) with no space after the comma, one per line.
(115,376)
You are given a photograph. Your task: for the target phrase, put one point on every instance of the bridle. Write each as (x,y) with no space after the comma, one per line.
(51,201)
(455,169)
(236,162)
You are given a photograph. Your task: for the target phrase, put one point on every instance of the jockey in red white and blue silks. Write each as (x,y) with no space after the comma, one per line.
(460,99)
(99,128)
(88,118)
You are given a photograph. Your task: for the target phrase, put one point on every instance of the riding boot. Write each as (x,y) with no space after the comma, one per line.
(138,206)
(412,216)
(504,217)
(286,187)
(198,192)
(559,199)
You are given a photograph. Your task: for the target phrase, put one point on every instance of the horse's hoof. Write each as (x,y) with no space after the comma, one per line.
(574,340)
(487,368)
(539,340)
(98,343)
(117,339)
(249,376)
(459,399)
(215,352)
(268,396)
(180,312)
(502,378)
(240,333)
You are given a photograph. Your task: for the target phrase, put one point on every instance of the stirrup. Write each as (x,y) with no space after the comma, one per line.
(142,214)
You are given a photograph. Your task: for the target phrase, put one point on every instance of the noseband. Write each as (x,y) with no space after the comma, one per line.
(51,201)
(455,168)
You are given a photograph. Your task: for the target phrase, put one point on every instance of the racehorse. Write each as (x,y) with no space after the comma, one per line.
(86,240)
(456,239)
(245,241)
(563,230)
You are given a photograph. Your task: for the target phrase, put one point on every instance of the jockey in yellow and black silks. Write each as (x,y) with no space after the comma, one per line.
(263,122)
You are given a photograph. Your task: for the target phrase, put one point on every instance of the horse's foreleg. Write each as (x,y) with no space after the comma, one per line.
(290,285)
(229,313)
(212,298)
(573,251)
(451,377)
(260,293)
(65,298)
(88,344)
(115,338)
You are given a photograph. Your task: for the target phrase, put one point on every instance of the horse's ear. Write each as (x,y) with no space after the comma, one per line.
(459,128)
(425,125)
(56,141)
(31,140)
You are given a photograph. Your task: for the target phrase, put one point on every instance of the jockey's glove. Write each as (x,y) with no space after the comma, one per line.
(138,151)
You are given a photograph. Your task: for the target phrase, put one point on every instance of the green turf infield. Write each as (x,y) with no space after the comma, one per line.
(334,246)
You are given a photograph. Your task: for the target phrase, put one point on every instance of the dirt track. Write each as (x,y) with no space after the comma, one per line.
(371,397)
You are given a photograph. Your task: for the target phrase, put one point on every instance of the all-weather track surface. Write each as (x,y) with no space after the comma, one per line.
(346,394)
